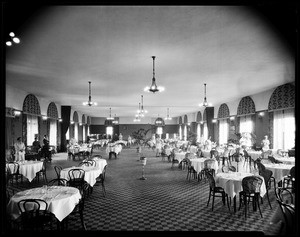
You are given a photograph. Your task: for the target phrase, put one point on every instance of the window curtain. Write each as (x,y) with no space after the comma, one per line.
(223,131)
(83,133)
(76,131)
(68,134)
(159,130)
(180,133)
(284,129)
(53,132)
(184,133)
(205,131)
(88,130)
(198,132)
(32,128)
(109,131)
(246,124)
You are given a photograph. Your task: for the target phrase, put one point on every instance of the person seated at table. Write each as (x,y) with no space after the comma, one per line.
(36,145)
(265,143)
(20,150)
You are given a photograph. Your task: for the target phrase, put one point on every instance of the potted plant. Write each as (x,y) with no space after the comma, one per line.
(141,138)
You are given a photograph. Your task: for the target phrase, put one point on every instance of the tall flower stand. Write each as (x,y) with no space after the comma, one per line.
(143,161)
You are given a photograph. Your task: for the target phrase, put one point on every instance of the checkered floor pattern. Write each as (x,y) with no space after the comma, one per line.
(165,201)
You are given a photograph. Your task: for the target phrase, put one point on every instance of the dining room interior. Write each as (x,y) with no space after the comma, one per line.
(144,118)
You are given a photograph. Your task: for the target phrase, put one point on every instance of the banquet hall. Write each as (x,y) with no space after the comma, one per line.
(150,118)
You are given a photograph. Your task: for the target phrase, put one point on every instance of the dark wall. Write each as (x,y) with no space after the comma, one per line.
(261,127)
(128,129)
(97,129)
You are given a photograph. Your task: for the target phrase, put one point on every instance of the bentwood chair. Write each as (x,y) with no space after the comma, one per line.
(190,170)
(35,215)
(13,173)
(58,182)
(58,169)
(76,178)
(289,180)
(42,173)
(267,175)
(78,210)
(215,191)
(208,167)
(286,203)
(101,179)
(251,192)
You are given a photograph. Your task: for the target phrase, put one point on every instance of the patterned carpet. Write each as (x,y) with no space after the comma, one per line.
(165,201)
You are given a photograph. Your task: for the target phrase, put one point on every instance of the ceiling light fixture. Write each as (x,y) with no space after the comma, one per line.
(168,115)
(154,88)
(138,115)
(142,111)
(205,104)
(90,103)
(110,118)
(12,39)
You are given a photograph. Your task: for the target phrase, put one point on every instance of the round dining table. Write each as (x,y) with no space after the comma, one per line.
(91,173)
(231,182)
(198,164)
(100,163)
(179,156)
(61,200)
(286,160)
(279,170)
(28,168)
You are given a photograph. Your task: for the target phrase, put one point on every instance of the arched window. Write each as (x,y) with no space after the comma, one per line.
(52,115)
(246,109)
(31,111)
(159,123)
(223,115)
(281,108)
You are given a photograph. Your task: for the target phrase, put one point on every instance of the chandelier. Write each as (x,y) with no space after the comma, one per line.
(13,39)
(138,115)
(110,118)
(168,115)
(90,103)
(154,88)
(205,104)
(141,111)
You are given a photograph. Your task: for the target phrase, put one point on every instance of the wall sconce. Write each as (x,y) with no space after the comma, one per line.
(80,124)
(232,118)
(201,122)
(214,120)
(188,124)
(59,120)
(261,114)
(72,122)
(17,112)
(44,117)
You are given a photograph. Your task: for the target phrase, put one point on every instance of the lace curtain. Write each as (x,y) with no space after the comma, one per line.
(223,131)
(32,128)
(53,132)
(205,131)
(184,133)
(246,124)
(180,133)
(198,132)
(76,131)
(83,133)
(284,129)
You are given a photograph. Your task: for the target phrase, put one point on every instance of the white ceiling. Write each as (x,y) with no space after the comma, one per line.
(229,48)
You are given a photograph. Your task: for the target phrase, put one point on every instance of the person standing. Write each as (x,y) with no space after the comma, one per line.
(36,145)
(20,150)
(208,144)
(45,150)
(158,145)
(120,137)
(265,143)
(129,141)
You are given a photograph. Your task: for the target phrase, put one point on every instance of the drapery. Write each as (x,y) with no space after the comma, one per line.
(205,131)
(184,133)
(198,132)
(159,130)
(180,133)
(284,129)
(223,131)
(83,133)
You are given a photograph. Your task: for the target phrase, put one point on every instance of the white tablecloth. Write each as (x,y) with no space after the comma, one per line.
(117,149)
(28,168)
(179,156)
(100,163)
(279,170)
(198,164)
(193,149)
(254,154)
(61,200)
(91,173)
(232,183)
(286,160)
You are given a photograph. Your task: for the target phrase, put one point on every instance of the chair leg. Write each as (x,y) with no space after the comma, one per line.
(213,201)
(227,202)
(103,188)
(269,199)
(82,221)
(246,206)
(209,197)
(256,200)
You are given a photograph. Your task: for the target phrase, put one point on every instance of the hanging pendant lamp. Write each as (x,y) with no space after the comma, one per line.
(154,88)
(89,102)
